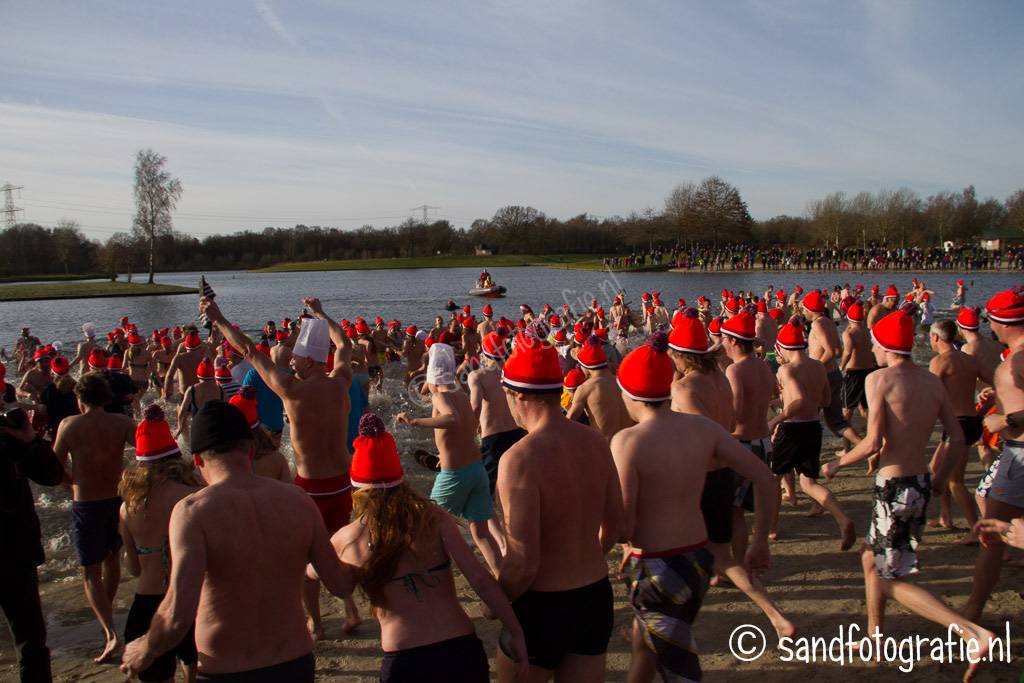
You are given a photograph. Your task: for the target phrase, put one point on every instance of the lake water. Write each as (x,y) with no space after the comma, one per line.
(416,296)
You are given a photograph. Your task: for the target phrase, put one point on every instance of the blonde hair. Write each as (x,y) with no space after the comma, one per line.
(264,444)
(394,519)
(138,482)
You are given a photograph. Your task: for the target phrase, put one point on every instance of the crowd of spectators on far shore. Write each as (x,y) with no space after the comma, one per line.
(706,257)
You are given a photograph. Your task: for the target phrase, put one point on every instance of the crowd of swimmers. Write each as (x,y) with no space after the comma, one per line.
(557,441)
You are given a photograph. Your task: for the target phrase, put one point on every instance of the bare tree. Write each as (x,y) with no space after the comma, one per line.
(156,195)
(66,238)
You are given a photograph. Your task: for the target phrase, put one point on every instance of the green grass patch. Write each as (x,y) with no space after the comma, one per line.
(86,290)
(52,278)
(433,262)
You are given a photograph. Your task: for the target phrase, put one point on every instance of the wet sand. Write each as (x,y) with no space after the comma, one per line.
(816,585)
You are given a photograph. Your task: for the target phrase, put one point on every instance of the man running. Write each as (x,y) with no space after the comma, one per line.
(599,397)
(182,371)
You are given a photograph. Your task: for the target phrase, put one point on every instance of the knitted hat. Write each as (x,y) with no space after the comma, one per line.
(488,311)
(555,321)
(968,319)
(791,335)
(689,335)
(192,341)
(469,323)
(60,366)
(762,307)
(715,327)
(895,332)
(532,367)
(601,333)
(223,374)
(153,440)
(733,305)
(780,295)
(98,359)
(493,346)
(245,400)
(892,293)
(560,338)
(646,373)
(574,378)
(411,330)
(135,339)
(776,314)
(591,356)
(741,326)
(1007,307)
(217,423)
(814,302)
(205,370)
(855,313)
(375,462)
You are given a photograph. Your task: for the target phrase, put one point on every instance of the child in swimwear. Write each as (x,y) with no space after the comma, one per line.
(403,546)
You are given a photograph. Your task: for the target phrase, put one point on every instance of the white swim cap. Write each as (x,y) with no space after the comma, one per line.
(441,364)
(314,340)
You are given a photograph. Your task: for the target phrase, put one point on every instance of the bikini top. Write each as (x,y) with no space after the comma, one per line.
(427,576)
(165,556)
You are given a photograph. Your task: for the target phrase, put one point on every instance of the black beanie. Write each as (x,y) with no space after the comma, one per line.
(217,423)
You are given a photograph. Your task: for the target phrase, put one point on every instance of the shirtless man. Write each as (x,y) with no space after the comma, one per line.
(95,442)
(599,397)
(797,430)
(563,513)
(904,402)
(371,352)
(36,379)
(461,486)
(182,371)
(959,373)
(85,347)
(470,348)
(857,361)
(317,406)
(240,547)
(486,325)
(1003,492)
(281,352)
(985,350)
(823,345)
(885,307)
(765,328)
(414,352)
(139,362)
(660,462)
(703,389)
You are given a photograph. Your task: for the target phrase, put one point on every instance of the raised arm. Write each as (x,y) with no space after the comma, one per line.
(279,382)
(342,344)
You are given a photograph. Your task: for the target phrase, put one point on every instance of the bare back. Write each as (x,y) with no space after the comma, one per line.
(95,442)
(857,344)
(705,393)
(988,354)
(823,343)
(488,397)
(602,399)
(911,399)
(959,374)
(456,445)
(147,530)
(804,386)
(1009,386)
(753,388)
(317,410)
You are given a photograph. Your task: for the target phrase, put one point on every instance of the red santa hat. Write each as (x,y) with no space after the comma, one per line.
(135,339)
(814,302)
(115,362)
(599,312)
(969,318)
(733,305)
(177,332)
(494,347)
(892,293)
(895,332)
(362,327)
(394,325)
(533,366)
(555,321)
(411,330)
(60,366)
(192,341)
(245,400)
(855,313)
(646,373)
(165,343)
(574,378)
(466,309)
(741,326)
(469,323)
(777,314)
(601,333)
(153,440)
(715,327)
(560,338)
(223,374)
(205,370)
(960,283)
(799,289)
(791,335)
(689,335)
(98,359)
(1007,307)
(591,356)
(762,307)
(375,461)
(446,337)
(488,311)
(645,296)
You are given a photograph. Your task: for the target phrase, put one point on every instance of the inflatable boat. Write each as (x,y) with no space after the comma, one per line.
(494,291)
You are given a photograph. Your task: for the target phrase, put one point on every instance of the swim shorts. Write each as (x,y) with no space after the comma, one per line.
(971,426)
(834,412)
(492,447)
(94,529)
(1007,475)
(464,492)
(456,660)
(798,447)
(716,504)
(333,497)
(853,389)
(744,496)
(666,591)
(897,522)
(139,617)
(299,670)
(577,621)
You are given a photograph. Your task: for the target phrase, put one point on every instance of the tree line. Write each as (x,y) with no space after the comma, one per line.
(710,212)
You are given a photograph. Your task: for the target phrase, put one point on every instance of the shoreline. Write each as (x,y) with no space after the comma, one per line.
(91,290)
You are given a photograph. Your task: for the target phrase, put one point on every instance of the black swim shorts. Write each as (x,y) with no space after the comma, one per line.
(797,446)
(971,426)
(716,504)
(492,447)
(139,617)
(456,660)
(94,529)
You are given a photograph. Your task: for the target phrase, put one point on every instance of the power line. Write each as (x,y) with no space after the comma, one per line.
(425,208)
(10,210)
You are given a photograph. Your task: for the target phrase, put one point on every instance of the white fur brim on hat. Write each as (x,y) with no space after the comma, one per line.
(441,364)
(314,340)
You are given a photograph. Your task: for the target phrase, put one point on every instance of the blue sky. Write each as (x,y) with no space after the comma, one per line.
(345,113)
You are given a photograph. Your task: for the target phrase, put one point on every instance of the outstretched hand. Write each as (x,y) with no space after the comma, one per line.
(211,310)
(314,305)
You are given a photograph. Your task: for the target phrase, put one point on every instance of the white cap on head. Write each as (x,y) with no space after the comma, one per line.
(89,330)
(441,364)
(57,346)
(421,335)
(314,340)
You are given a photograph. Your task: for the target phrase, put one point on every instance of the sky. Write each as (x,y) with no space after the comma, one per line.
(349,113)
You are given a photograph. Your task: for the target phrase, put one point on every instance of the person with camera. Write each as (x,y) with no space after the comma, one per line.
(23,456)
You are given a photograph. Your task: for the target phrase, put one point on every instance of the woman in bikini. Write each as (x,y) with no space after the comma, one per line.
(403,546)
(150,491)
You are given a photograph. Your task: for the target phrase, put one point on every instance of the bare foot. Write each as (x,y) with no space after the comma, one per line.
(815,511)
(984,640)
(113,645)
(940,524)
(316,631)
(773,535)
(784,628)
(350,624)
(849,535)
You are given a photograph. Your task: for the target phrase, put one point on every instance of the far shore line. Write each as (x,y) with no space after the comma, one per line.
(88,290)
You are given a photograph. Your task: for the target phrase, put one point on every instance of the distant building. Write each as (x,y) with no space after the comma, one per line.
(1000,238)
(481,250)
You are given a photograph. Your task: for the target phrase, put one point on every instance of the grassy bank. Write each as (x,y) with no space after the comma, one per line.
(432,262)
(86,290)
(51,278)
